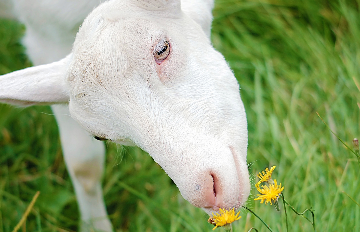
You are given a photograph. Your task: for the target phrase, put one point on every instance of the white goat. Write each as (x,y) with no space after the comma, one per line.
(140,72)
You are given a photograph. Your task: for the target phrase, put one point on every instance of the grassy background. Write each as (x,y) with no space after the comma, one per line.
(292,59)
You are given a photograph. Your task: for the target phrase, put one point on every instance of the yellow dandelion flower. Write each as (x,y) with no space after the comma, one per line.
(265,176)
(224,218)
(269,193)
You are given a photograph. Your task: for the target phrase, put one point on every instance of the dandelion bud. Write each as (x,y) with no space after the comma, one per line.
(356,144)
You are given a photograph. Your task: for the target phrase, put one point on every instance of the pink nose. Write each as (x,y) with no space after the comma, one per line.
(213,193)
(226,188)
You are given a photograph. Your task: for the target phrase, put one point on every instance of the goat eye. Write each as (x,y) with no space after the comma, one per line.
(99,138)
(161,51)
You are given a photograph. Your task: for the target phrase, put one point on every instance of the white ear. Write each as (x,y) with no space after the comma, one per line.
(44,84)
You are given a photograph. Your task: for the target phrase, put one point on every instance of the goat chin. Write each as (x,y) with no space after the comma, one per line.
(139,73)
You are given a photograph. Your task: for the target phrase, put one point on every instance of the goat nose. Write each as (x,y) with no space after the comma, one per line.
(213,192)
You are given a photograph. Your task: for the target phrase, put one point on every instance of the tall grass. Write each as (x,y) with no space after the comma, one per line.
(292,59)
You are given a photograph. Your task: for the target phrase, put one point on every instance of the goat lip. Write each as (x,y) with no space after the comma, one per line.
(214,207)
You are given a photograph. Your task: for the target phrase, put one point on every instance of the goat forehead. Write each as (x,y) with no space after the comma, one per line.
(140,34)
(133,40)
(130,8)
(119,49)
(127,32)
(130,12)
(119,10)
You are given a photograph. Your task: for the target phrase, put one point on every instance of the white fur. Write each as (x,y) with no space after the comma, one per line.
(186,112)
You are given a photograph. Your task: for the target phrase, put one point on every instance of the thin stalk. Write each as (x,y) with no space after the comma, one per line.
(351,199)
(302,214)
(286,219)
(257,217)
(23,219)
(355,153)
(228,228)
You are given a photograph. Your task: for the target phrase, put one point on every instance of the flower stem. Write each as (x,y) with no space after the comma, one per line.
(356,153)
(257,217)
(228,228)
(300,214)
(286,219)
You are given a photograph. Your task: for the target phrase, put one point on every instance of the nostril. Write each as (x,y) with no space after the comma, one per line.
(211,194)
(210,191)
(216,189)
(214,184)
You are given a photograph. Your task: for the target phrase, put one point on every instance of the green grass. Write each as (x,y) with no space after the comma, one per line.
(292,59)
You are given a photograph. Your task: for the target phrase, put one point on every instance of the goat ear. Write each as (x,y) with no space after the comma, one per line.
(43,84)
